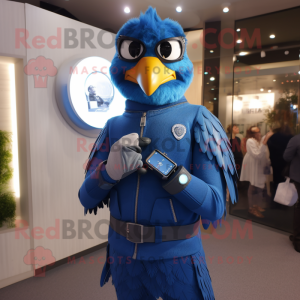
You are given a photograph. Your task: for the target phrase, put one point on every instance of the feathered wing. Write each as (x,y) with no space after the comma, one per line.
(93,156)
(97,145)
(212,139)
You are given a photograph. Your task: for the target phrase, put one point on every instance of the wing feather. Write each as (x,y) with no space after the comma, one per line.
(99,141)
(213,141)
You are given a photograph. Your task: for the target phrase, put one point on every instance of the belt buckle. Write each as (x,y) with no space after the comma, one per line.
(133,229)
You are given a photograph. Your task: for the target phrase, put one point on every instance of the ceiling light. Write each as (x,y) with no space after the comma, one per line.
(236,82)
(287,81)
(274,80)
(269,91)
(282,82)
(212,78)
(215,98)
(207,82)
(127,10)
(261,90)
(212,89)
(243,53)
(211,51)
(238,29)
(272,36)
(178,9)
(298,72)
(225,9)
(286,52)
(239,41)
(292,80)
(297,80)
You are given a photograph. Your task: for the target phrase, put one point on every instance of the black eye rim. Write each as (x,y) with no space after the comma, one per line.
(181,41)
(121,38)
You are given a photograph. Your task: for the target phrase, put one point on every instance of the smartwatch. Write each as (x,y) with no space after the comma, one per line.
(161,164)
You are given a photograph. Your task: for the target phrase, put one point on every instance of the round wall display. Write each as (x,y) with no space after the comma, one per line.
(86,96)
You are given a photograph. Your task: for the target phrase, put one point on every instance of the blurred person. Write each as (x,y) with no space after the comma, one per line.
(235,141)
(292,155)
(253,168)
(94,97)
(243,146)
(277,144)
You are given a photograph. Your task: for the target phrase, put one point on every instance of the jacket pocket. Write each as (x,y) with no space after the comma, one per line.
(163,212)
(114,204)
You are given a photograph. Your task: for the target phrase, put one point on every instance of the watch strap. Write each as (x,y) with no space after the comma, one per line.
(175,184)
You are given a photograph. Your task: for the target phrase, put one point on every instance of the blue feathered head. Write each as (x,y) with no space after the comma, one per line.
(151,65)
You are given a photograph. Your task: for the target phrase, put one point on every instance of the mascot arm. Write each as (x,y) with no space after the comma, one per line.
(205,192)
(90,194)
(212,167)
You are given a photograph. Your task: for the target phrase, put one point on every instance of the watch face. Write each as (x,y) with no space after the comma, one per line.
(161,164)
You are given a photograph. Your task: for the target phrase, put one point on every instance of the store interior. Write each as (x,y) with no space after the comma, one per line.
(250,78)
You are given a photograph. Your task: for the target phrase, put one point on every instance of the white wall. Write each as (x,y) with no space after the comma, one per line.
(55,165)
(195,53)
(12,249)
(12,16)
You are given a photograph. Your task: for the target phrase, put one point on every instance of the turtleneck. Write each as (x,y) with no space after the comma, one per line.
(137,106)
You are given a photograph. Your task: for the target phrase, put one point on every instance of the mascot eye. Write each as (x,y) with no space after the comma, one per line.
(131,49)
(169,50)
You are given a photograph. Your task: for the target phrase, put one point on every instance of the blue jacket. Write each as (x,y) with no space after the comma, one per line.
(204,151)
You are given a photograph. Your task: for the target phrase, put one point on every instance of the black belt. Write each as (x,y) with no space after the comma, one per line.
(137,233)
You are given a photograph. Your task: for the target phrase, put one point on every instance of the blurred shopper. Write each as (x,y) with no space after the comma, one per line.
(292,155)
(253,166)
(243,146)
(277,144)
(235,141)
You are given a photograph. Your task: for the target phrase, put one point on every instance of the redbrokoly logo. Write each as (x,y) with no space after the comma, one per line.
(40,68)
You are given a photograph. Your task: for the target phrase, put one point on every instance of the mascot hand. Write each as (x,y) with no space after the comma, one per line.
(124,157)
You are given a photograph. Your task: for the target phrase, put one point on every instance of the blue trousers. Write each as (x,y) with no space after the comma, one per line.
(180,278)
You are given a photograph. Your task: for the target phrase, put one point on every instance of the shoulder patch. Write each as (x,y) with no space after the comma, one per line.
(179,131)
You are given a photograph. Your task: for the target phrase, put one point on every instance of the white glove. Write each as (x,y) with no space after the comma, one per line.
(124,157)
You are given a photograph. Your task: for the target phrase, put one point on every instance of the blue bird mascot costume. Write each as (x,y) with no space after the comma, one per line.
(154,244)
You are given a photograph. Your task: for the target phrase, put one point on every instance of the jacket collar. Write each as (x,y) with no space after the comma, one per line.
(137,106)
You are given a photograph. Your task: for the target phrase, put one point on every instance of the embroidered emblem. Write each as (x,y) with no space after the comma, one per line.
(179,131)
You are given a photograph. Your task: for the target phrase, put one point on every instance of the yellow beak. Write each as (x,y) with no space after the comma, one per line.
(150,73)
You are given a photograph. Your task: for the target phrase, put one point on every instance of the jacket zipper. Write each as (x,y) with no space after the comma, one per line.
(139,111)
(173,211)
(142,125)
